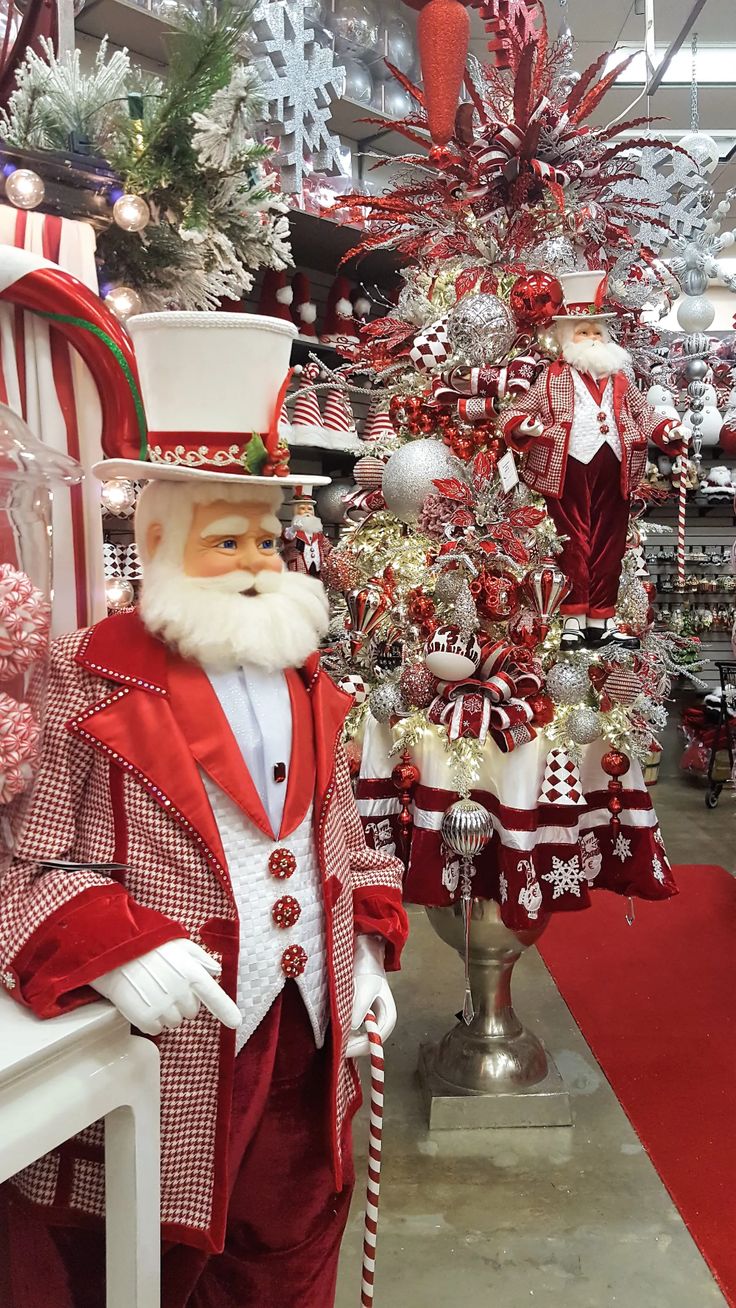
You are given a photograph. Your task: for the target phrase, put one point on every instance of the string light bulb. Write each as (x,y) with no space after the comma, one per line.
(24,188)
(118,496)
(119,593)
(131,212)
(124,302)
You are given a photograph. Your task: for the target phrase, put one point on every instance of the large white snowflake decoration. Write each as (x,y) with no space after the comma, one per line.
(674,188)
(564,876)
(300,80)
(622,847)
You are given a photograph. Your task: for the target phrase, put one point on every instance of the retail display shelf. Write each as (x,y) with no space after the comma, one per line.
(320,242)
(137,27)
(348,119)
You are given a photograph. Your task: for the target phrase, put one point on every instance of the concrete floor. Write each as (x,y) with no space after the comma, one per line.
(561,1217)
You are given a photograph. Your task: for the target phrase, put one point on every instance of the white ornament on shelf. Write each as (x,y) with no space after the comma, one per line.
(24,188)
(300,80)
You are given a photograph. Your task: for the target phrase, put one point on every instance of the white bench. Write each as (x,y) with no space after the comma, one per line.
(59,1076)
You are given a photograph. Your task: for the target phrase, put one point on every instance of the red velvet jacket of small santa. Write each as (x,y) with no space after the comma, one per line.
(129,726)
(552,401)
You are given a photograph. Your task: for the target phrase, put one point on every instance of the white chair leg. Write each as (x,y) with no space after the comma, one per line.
(132,1183)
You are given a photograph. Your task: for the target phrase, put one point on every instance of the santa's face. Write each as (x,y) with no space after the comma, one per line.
(227,537)
(215,587)
(587,346)
(589,331)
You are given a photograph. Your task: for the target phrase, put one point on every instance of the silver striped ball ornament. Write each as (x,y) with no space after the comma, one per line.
(466,828)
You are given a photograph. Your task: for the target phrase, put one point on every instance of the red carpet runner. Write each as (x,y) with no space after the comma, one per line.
(656,1002)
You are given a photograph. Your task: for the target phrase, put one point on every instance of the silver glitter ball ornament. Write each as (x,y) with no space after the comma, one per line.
(385,702)
(695,313)
(410,474)
(584,725)
(555,255)
(466,828)
(448,586)
(567,683)
(330,502)
(481,329)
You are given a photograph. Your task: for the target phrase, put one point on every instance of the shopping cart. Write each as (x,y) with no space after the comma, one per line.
(723,737)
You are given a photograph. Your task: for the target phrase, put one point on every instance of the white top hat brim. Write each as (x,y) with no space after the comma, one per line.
(139,470)
(581,317)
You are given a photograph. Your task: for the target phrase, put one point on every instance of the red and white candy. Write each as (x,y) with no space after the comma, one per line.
(25,616)
(19,741)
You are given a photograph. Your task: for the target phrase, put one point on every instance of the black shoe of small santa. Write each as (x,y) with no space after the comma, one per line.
(573,636)
(609,637)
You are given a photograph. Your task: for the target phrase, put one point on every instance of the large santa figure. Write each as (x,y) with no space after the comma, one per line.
(583,429)
(196,743)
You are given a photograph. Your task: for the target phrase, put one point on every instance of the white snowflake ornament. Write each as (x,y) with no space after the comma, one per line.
(565,876)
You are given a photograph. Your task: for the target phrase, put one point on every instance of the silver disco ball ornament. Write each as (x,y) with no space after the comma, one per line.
(410,474)
(584,725)
(385,702)
(466,828)
(568,683)
(481,329)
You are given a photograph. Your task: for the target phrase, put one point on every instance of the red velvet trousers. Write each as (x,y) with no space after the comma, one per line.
(594,515)
(285,1221)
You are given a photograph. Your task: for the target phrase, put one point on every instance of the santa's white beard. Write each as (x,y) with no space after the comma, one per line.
(599,358)
(210,621)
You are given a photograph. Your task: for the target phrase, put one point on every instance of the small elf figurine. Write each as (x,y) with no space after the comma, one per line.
(583,429)
(306,544)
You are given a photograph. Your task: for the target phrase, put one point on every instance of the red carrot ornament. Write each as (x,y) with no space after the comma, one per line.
(444,35)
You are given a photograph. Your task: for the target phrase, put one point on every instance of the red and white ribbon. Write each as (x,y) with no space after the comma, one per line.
(681,517)
(370,1226)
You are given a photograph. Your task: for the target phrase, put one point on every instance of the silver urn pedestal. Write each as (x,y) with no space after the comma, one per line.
(491,1072)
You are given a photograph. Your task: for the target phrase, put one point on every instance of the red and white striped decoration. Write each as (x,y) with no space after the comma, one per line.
(338,416)
(681,516)
(307,414)
(378,425)
(370,1225)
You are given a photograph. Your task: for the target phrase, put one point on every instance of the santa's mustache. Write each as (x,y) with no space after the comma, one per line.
(599,358)
(264,582)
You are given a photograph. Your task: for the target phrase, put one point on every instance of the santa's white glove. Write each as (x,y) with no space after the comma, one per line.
(677,435)
(163,987)
(371,991)
(529,427)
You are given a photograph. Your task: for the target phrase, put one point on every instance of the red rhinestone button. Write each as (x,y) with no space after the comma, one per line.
(293,961)
(281,863)
(286,911)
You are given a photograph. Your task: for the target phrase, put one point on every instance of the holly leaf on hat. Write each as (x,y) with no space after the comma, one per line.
(256,455)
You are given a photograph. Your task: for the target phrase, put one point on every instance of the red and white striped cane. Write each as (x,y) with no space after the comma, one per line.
(681,516)
(370,1225)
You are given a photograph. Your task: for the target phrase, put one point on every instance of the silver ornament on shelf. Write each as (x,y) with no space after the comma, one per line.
(358,82)
(568,683)
(385,702)
(466,828)
(584,725)
(390,98)
(481,329)
(355,25)
(695,313)
(410,474)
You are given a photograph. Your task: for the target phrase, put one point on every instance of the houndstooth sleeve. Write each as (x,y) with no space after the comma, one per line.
(376,875)
(59,930)
(534,404)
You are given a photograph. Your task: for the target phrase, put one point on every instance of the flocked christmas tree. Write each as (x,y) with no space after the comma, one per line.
(448,581)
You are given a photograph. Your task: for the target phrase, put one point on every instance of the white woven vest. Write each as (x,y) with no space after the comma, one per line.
(262,943)
(586,436)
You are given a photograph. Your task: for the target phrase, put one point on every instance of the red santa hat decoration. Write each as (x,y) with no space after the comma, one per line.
(306,420)
(276,296)
(378,425)
(585,295)
(339,326)
(339,422)
(303,308)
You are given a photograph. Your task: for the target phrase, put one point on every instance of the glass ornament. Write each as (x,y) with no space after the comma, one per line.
(410,474)
(24,188)
(131,212)
(355,25)
(481,329)
(119,593)
(702,149)
(124,302)
(358,82)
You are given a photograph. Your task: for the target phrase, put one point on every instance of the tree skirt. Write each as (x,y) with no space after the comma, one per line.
(551,846)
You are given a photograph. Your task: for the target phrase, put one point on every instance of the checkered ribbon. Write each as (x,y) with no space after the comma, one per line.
(370,1224)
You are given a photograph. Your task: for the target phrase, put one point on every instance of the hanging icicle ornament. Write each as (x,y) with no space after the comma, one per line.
(616,764)
(405,778)
(466,829)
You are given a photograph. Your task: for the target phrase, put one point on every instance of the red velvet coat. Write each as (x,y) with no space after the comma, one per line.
(552,400)
(129,725)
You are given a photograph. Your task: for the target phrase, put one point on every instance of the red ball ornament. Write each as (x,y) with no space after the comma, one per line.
(615,763)
(615,804)
(536,298)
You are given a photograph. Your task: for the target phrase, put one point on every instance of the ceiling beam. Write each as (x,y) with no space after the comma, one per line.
(655,80)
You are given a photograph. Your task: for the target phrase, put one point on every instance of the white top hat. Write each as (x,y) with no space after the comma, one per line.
(211,382)
(585,294)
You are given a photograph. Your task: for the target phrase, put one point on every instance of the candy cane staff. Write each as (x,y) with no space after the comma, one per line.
(196,741)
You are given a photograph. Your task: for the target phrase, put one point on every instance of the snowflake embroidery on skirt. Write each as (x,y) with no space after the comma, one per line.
(565,876)
(503,887)
(657,869)
(622,847)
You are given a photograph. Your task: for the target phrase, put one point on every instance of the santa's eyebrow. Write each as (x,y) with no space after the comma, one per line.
(233,526)
(269,522)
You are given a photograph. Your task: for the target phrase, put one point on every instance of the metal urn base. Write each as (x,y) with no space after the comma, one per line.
(492,1072)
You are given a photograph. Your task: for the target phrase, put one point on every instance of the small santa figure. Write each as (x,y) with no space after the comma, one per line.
(196,740)
(306,544)
(583,429)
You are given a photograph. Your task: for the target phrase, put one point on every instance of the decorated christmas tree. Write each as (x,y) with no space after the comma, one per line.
(507,677)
